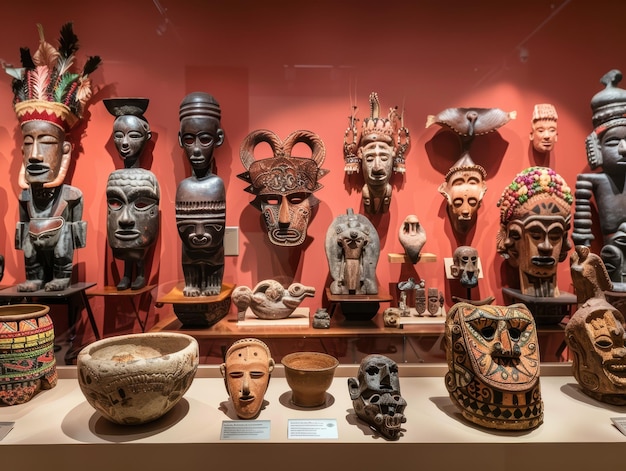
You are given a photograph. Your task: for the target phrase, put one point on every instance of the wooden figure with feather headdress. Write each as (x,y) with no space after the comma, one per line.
(49,99)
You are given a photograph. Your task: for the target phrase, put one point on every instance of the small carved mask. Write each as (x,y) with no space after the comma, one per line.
(412,236)
(595,334)
(465,266)
(246,372)
(284,185)
(464,190)
(376,395)
(493,365)
(46,153)
(544,133)
(130,135)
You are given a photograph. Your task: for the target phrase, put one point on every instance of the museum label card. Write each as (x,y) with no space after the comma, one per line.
(5,428)
(245,430)
(312,428)
(620,423)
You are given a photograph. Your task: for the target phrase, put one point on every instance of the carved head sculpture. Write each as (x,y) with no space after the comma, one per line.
(543,133)
(493,365)
(201,214)
(200,131)
(283,184)
(379,148)
(412,236)
(352,250)
(133,210)
(465,186)
(246,371)
(131,131)
(49,99)
(375,395)
(534,224)
(463,190)
(606,145)
(595,333)
(465,266)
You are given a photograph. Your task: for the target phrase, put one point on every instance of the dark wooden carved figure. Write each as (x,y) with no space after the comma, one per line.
(201,198)
(49,101)
(534,225)
(465,266)
(606,150)
(132,193)
(377,150)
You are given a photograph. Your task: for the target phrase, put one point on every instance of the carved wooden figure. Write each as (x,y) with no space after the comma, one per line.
(270,300)
(606,149)
(493,365)
(49,101)
(534,225)
(465,266)
(201,198)
(132,193)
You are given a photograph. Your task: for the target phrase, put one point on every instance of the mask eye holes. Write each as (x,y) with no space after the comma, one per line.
(374,399)
(485,327)
(372,370)
(114,204)
(515,333)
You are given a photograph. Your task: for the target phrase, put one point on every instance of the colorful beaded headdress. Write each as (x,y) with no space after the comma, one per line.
(45,88)
(533,182)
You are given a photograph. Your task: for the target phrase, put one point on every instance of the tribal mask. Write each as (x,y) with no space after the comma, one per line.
(284,185)
(493,365)
(595,335)
(376,395)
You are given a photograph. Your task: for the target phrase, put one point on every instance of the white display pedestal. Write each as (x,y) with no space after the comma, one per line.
(58,429)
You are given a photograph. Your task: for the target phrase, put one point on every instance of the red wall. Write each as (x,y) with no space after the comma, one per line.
(425,55)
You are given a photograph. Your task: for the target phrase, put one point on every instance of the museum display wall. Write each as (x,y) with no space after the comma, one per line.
(286,66)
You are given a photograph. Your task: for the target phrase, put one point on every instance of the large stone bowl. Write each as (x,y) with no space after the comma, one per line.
(309,375)
(137,378)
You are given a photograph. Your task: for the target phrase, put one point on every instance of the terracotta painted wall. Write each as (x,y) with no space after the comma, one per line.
(294,65)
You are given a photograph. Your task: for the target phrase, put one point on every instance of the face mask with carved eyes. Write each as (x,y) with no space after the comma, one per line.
(595,335)
(493,365)
(376,395)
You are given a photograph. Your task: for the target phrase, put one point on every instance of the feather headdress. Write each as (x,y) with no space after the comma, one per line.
(47,87)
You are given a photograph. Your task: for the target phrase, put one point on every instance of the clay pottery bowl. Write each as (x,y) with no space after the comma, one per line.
(137,378)
(27,360)
(309,375)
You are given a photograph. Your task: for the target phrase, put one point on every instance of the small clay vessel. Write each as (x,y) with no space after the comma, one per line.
(309,375)
(137,378)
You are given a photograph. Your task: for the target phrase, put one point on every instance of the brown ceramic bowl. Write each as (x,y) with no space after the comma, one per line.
(309,375)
